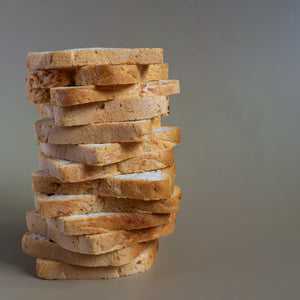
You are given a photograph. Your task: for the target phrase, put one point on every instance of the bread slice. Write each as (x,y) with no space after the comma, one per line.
(97,243)
(65,205)
(74,95)
(39,246)
(42,79)
(93,56)
(68,96)
(47,132)
(48,269)
(96,75)
(109,153)
(121,74)
(95,222)
(67,171)
(150,185)
(129,109)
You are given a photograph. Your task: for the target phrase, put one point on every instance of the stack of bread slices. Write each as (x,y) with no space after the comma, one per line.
(105,190)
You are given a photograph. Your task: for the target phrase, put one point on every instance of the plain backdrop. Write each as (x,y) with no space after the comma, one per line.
(237,234)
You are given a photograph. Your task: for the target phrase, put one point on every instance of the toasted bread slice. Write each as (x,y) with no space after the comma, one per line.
(129,109)
(109,153)
(66,205)
(97,243)
(67,171)
(48,269)
(74,95)
(95,222)
(47,132)
(152,185)
(39,246)
(93,56)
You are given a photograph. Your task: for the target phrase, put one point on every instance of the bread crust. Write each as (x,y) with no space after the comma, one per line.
(93,56)
(47,269)
(61,205)
(40,247)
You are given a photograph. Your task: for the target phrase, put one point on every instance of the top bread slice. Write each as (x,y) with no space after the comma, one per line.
(93,56)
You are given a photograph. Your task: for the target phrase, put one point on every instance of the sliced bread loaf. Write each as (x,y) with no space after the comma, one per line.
(47,132)
(93,56)
(97,243)
(65,205)
(38,246)
(48,269)
(152,185)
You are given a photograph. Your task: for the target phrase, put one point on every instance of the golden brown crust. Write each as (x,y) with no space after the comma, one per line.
(150,185)
(57,270)
(128,109)
(98,243)
(47,132)
(41,247)
(93,56)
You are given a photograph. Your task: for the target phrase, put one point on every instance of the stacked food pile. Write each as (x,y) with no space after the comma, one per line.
(105,190)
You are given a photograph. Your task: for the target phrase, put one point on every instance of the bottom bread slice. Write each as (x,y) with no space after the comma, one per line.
(109,240)
(39,246)
(48,269)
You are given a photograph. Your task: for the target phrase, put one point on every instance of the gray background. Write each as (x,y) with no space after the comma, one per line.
(237,234)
